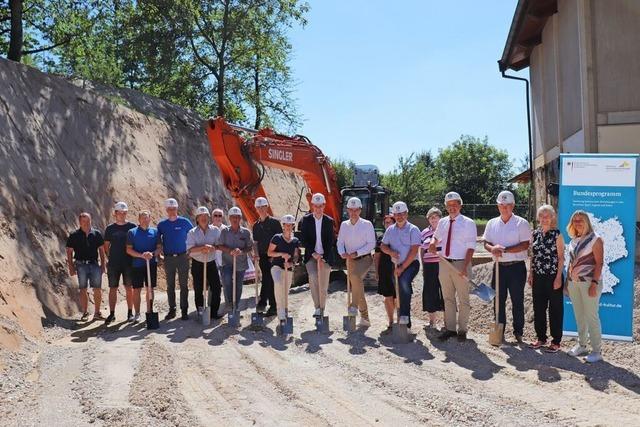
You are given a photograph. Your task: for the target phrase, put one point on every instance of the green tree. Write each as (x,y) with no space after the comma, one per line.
(416,182)
(475,169)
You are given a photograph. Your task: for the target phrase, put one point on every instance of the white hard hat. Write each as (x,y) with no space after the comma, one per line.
(399,207)
(318,199)
(260,202)
(121,206)
(288,219)
(354,203)
(171,203)
(235,211)
(506,198)
(452,195)
(202,210)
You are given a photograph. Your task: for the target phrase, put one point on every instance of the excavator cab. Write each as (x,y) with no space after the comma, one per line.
(375,198)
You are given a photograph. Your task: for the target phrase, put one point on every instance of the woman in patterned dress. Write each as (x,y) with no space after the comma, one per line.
(545,279)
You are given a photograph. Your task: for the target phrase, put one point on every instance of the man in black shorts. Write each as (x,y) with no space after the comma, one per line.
(142,245)
(118,262)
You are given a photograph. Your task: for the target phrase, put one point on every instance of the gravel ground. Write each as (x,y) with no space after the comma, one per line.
(184,374)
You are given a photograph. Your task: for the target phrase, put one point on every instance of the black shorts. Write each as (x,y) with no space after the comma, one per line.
(140,276)
(114,271)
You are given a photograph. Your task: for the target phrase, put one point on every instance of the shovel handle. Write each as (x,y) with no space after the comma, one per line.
(204,282)
(397,287)
(497,266)
(348,284)
(233,281)
(257,273)
(147,294)
(286,295)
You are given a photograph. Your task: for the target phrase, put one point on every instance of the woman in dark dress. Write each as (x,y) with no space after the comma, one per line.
(432,301)
(384,268)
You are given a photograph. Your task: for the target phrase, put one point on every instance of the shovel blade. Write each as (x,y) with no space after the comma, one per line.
(285,328)
(484,292)
(322,324)
(496,335)
(205,318)
(233,318)
(153,322)
(349,323)
(400,334)
(257,320)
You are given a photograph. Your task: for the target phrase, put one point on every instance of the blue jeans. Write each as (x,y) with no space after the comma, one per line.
(89,274)
(404,284)
(227,284)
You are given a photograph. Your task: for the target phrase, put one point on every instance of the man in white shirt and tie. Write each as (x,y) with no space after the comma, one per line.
(507,237)
(456,234)
(356,240)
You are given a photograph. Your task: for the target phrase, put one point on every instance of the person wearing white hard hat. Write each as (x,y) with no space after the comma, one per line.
(356,241)
(456,236)
(235,241)
(401,242)
(118,261)
(432,301)
(263,231)
(201,246)
(317,238)
(173,234)
(507,237)
(284,251)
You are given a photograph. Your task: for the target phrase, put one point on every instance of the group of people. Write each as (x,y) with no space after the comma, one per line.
(444,250)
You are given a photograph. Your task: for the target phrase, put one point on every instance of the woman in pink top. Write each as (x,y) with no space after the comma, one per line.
(432,301)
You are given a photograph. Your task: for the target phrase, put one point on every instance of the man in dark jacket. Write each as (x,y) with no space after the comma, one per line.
(263,231)
(318,240)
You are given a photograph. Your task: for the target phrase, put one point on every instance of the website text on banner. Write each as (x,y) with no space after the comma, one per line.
(605,186)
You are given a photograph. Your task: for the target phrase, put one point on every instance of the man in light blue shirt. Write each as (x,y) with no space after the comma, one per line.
(401,242)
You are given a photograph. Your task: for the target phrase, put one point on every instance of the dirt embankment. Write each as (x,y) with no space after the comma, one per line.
(70,147)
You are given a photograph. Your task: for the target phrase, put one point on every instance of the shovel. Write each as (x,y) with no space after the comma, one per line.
(322,322)
(206,310)
(497,333)
(257,318)
(286,328)
(233,318)
(349,321)
(481,290)
(399,333)
(152,317)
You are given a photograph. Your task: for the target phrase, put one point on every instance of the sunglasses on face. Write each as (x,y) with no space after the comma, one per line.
(217,216)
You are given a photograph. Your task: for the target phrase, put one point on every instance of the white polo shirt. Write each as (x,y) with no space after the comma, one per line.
(516,230)
(359,237)
(463,236)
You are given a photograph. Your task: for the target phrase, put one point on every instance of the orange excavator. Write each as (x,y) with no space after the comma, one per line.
(242,154)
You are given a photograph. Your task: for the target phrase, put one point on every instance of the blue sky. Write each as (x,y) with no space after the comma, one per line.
(379,79)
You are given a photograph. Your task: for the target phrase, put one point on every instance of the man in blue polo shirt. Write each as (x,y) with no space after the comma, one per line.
(142,245)
(173,233)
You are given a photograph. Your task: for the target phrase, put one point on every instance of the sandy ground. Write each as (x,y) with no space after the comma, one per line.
(185,375)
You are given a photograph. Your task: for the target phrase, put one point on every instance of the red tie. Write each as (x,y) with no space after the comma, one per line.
(447,249)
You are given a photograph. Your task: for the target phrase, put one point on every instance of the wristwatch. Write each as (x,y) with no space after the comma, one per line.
(596,281)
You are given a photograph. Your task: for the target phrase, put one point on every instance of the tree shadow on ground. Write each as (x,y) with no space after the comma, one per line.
(549,366)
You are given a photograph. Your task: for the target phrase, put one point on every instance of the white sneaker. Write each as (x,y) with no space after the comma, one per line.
(136,318)
(593,357)
(404,320)
(317,313)
(577,351)
(130,318)
(364,323)
(282,314)
(353,311)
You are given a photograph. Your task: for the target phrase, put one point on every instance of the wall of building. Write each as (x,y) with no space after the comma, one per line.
(586,70)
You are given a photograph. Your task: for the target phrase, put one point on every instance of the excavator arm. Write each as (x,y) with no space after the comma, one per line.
(242,160)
